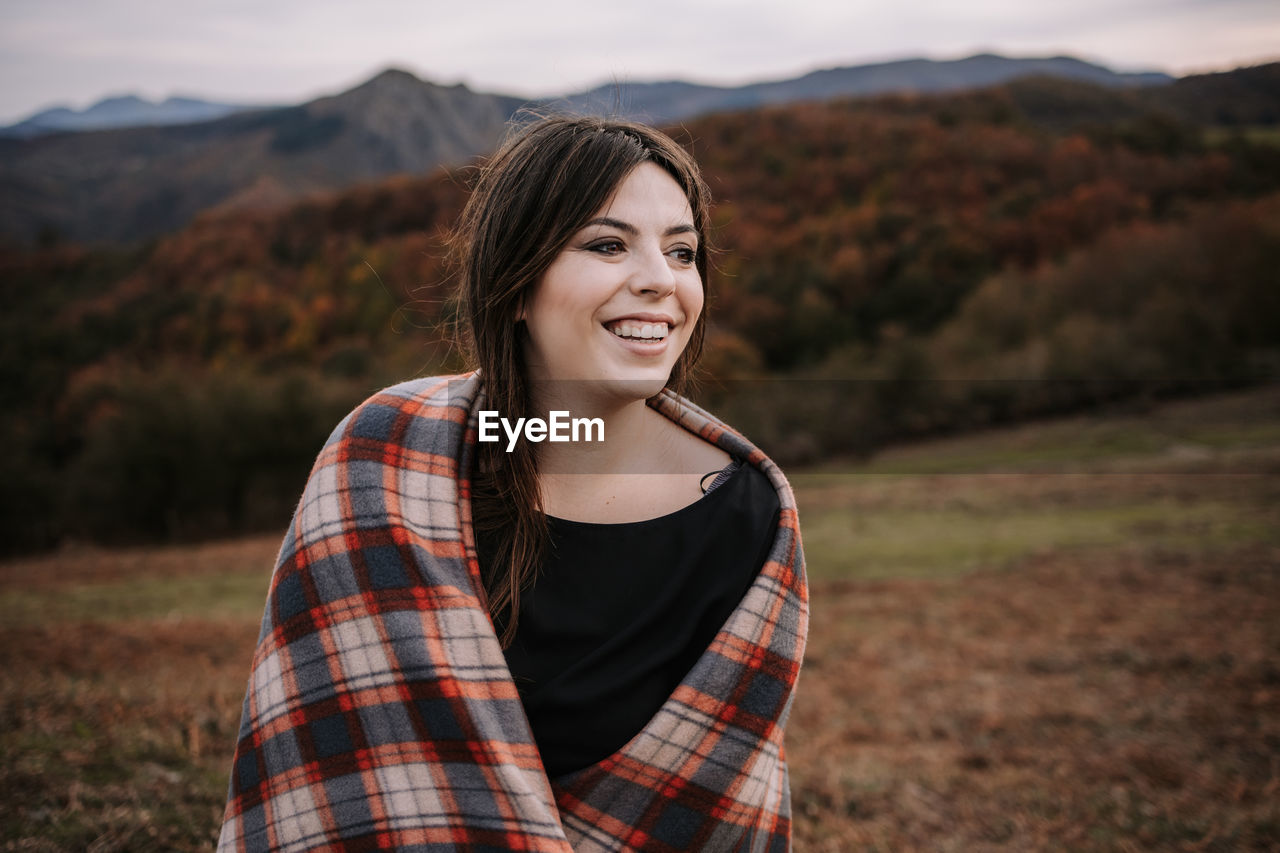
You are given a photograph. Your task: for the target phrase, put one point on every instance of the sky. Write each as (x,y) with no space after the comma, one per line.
(75,52)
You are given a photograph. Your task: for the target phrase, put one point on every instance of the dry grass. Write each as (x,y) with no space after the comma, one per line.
(1108,678)
(118,736)
(120,695)
(1126,700)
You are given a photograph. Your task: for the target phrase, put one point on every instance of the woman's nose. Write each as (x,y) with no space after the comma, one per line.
(654,274)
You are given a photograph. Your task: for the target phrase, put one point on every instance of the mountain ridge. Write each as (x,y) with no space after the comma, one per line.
(129,184)
(675,100)
(126,184)
(126,110)
(115,110)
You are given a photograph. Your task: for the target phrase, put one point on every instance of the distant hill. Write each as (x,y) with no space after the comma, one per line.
(902,265)
(128,184)
(1244,96)
(675,100)
(657,102)
(121,111)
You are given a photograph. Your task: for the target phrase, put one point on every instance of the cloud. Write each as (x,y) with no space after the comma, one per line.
(287,50)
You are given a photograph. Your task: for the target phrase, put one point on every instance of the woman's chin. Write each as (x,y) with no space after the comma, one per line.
(625,386)
(600,390)
(634,387)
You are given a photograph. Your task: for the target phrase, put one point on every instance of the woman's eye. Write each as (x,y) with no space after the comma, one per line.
(608,247)
(684,255)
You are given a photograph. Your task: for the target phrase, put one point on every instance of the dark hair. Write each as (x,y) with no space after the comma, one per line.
(541,187)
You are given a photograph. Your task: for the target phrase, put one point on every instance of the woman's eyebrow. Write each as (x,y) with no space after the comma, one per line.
(614,223)
(682,228)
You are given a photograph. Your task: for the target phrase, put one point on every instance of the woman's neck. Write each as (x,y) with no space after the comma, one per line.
(629,436)
(646,467)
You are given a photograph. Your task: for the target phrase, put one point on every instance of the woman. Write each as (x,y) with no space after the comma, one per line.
(533,644)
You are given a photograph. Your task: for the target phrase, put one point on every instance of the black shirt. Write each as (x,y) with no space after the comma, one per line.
(621,612)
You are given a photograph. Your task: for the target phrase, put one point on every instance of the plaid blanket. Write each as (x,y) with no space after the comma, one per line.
(380,713)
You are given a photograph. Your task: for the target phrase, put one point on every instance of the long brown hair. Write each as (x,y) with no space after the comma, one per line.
(541,187)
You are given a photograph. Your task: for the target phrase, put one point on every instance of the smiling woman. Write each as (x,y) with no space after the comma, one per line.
(621,300)
(547,645)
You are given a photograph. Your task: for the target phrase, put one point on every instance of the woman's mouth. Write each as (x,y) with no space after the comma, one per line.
(635,330)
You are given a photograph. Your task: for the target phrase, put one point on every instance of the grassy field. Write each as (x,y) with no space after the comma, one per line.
(1060,636)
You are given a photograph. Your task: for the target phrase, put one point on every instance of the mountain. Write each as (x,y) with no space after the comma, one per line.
(879,247)
(128,184)
(664,102)
(1242,97)
(121,111)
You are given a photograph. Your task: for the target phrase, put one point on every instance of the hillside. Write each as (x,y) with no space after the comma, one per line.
(126,185)
(130,184)
(887,268)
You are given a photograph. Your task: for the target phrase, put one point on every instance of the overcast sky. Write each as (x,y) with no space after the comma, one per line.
(74,52)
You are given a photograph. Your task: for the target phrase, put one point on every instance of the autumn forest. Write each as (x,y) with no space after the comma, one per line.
(885,268)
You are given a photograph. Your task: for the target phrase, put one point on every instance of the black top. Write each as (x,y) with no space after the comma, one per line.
(621,612)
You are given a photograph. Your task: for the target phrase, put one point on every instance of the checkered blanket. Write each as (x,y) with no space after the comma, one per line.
(380,713)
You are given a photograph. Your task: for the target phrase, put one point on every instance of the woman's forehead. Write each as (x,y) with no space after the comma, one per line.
(649,196)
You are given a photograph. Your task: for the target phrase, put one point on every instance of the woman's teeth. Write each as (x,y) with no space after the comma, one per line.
(642,331)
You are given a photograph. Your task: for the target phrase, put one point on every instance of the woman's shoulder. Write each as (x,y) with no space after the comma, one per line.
(430,396)
(407,410)
(402,439)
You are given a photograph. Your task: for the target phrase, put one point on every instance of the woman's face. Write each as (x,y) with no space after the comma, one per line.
(618,304)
